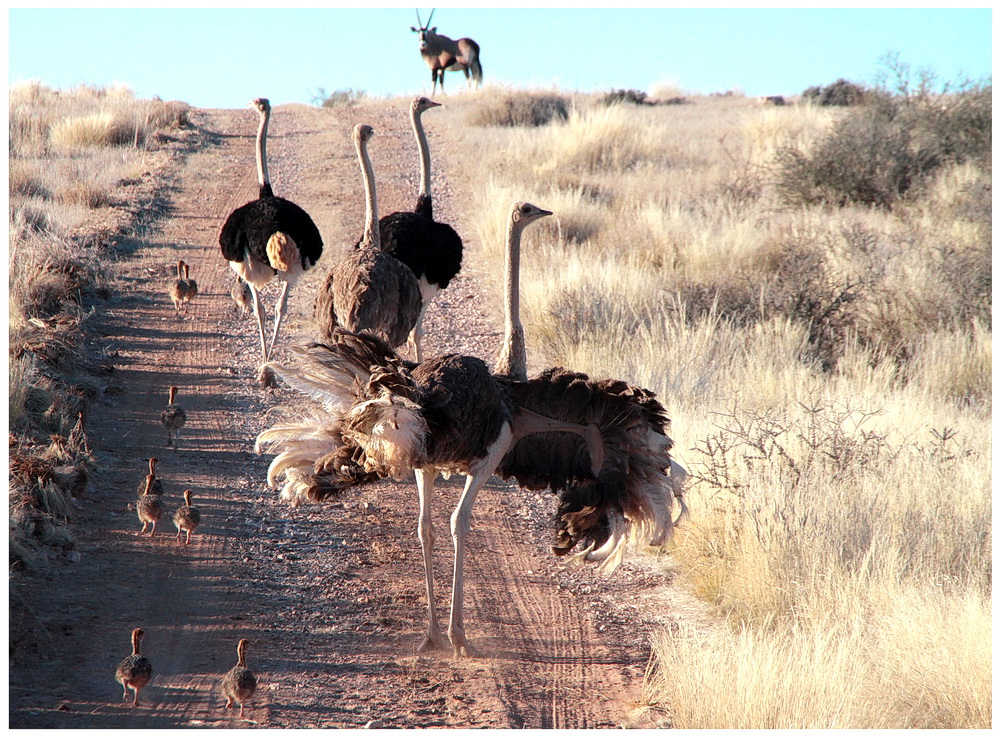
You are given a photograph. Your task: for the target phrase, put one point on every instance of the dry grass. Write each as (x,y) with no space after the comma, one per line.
(828,372)
(69,151)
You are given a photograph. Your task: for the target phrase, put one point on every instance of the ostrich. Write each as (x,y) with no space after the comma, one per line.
(190,285)
(149,507)
(134,671)
(178,287)
(187,518)
(268,237)
(451,414)
(240,292)
(369,290)
(157,488)
(173,418)
(239,683)
(432,250)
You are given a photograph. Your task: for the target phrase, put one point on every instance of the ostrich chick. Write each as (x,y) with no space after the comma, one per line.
(239,683)
(190,285)
(240,292)
(178,287)
(149,507)
(134,671)
(157,488)
(173,418)
(187,517)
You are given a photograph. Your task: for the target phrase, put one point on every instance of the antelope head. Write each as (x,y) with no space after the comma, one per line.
(424,29)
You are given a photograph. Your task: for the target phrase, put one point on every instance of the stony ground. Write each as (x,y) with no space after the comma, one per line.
(330,597)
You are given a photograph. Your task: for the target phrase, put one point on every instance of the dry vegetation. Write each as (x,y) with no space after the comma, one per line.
(71,154)
(826,361)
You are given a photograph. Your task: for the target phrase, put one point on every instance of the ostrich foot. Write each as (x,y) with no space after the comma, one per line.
(461,645)
(464,649)
(430,642)
(267,377)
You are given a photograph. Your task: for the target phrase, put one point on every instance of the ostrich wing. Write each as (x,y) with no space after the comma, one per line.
(629,497)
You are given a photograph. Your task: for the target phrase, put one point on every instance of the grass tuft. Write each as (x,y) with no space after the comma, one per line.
(515,109)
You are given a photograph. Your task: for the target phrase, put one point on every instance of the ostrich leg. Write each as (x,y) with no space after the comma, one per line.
(279,314)
(425,532)
(481,471)
(258,311)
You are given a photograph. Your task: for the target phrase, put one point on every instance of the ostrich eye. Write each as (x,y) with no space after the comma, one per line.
(525,209)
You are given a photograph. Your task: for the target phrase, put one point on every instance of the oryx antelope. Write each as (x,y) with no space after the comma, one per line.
(444,54)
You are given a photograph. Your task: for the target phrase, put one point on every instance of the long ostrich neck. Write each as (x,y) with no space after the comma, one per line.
(262,149)
(425,155)
(241,654)
(513,360)
(135,644)
(371,237)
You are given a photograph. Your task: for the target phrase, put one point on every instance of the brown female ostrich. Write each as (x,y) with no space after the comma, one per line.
(135,671)
(269,237)
(173,418)
(187,518)
(432,250)
(149,507)
(451,414)
(178,287)
(369,290)
(239,683)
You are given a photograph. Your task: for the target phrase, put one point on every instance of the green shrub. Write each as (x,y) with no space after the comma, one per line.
(521,109)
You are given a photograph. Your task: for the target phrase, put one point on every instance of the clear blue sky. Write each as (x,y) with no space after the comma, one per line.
(225,57)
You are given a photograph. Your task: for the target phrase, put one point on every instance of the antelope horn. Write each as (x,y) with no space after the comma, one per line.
(419,23)
(429,18)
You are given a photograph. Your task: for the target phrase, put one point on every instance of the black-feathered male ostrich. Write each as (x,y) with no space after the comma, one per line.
(369,290)
(451,414)
(269,237)
(432,250)
(443,54)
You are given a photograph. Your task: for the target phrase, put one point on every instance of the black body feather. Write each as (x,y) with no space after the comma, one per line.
(430,249)
(248,228)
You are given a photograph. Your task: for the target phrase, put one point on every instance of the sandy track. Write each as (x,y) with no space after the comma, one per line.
(331,597)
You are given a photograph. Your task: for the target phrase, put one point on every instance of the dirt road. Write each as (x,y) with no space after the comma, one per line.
(331,597)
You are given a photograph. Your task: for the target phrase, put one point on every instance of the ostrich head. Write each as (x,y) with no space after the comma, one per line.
(241,651)
(419,104)
(363,133)
(524,213)
(262,104)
